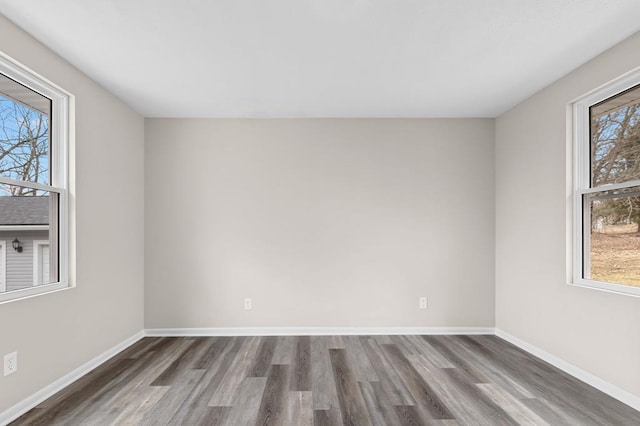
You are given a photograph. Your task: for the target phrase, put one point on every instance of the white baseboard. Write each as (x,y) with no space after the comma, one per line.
(598,383)
(314,331)
(27,404)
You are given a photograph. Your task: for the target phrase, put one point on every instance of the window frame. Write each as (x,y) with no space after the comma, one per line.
(582,179)
(3,265)
(60,142)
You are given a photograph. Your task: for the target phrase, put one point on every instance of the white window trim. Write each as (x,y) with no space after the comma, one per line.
(60,139)
(582,178)
(36,259)
(3,265)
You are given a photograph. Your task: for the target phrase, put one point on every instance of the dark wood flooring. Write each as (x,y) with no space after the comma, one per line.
(329,380)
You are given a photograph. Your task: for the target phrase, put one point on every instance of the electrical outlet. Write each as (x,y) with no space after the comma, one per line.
(247,304)
(10,363)
(422,303)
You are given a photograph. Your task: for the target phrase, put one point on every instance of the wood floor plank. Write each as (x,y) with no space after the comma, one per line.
(336,342)
(195,407)
(532,376)
(299,408)
(512,406)
(455,358)
(141,404)
(301,369)
(184,362)
(555,414)
(138,348)
(483,406)
(424,347)
(116,400)
(404,345)
(455,398)
(331,417)
(422,392)
(237,372)
(321,418)
(264,357)
(323,385)
(383,340)
(272,405)
(545,381)
(173,398)
(358,358)
(511,364)
(408,416)
(148,344)
(328,380)
(100,403)
(466,346)
(246,403)
(352,405)
(394,388)
(211,416)
(163,359)
(380,410)
(216,347)
(78,394)
(283,353)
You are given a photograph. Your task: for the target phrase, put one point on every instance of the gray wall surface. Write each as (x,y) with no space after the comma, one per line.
(593,330)
(58,332)
(336,222)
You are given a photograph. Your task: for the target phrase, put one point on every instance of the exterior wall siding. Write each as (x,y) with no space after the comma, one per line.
(19,266)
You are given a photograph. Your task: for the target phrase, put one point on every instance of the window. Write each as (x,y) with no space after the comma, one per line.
(34,141)
(607,187)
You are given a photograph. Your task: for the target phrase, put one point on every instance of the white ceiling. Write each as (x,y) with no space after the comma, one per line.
(325,58)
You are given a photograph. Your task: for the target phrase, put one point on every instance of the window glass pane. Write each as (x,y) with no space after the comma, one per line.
(615,139)
(28,244)
(24,133)
(614,237)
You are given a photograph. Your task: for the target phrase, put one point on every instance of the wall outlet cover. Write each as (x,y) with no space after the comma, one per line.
(10,363)
(422,303)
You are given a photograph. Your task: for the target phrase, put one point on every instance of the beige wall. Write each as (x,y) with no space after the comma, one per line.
(56,333)
(322,222)
(596,331)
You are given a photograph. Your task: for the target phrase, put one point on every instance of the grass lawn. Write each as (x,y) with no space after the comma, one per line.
(615,255)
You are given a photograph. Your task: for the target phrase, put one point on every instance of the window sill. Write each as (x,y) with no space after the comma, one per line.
(30,292)
(608,287)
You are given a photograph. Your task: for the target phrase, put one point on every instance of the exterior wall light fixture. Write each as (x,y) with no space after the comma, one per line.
(16,245)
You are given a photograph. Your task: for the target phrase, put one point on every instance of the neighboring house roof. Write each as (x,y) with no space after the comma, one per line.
(24,210)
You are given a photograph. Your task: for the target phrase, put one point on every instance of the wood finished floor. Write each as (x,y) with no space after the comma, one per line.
(332,380)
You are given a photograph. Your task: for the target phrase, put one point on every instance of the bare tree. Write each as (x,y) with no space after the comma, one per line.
(24,145)
(615,157)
